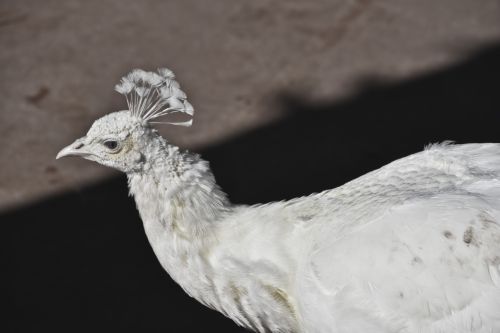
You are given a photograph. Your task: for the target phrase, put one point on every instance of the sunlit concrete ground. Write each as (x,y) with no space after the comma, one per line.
(60,60)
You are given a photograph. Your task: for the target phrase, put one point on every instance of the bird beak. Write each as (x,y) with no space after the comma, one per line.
(77,148)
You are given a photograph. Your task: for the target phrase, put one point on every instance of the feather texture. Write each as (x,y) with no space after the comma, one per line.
(411,247)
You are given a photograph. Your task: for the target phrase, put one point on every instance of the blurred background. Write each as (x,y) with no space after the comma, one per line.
(291,97)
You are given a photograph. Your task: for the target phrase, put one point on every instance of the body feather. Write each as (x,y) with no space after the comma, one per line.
(411,247)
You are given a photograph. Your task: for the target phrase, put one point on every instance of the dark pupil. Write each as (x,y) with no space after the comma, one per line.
(111,144)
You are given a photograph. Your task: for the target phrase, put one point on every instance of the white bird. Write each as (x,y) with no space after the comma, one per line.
(411,247)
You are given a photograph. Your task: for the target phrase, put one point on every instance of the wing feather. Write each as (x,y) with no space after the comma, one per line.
(412,246)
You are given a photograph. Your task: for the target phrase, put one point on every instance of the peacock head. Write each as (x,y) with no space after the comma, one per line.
(122,139)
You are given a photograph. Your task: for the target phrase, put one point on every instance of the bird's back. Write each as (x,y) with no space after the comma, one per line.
(413,246)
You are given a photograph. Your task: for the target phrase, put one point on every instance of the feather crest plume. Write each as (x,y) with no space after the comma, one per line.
(151,95)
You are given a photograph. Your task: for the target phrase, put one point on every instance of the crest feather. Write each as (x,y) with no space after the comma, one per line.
(151,95)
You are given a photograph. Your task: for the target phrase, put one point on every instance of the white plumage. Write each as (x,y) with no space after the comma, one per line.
(411,247)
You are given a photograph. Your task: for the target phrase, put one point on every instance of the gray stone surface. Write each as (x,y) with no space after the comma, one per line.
(60,60)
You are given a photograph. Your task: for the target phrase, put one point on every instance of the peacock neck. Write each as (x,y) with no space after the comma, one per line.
(177,191)
(182,208)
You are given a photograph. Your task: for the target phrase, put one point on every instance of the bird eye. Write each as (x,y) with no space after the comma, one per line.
(111,144)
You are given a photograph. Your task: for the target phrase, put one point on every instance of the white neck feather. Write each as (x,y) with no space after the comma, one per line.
(187,219)
(181,207)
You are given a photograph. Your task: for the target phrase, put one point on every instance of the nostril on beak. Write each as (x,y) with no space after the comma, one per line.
(77,148)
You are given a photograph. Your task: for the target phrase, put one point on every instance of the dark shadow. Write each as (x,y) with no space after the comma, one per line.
(80,262)
(320,146)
